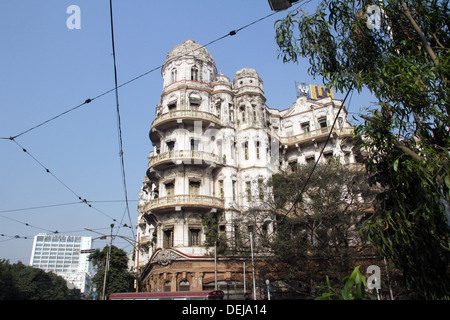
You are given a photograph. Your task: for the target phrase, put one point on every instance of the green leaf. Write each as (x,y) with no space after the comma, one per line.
(395,165)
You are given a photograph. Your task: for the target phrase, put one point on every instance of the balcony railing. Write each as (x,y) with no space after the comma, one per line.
(322,132)
(185,114)
(186,157)
(184,200)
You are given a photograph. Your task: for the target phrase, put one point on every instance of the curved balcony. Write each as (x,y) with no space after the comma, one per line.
(184,200)
(316,134)
(167,119)
(185,157)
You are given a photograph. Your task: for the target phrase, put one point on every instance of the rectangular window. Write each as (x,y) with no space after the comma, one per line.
(168,238)
(222,232)
(242,108)
(261,189)
(221,192)
(246,150)
(194,237)
(219,110)
(323,122)
(305,127)
(257,149)
(310,160)
(248,190)
(194,144)
(169,189)
(194,188)
(170,145)
(234,190)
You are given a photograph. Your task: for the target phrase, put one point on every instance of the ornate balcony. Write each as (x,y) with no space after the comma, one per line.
(316,134)
(184,200)
(185,157)
(168,119)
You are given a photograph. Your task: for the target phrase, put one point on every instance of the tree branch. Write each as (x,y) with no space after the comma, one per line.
(420,33)
(398,144)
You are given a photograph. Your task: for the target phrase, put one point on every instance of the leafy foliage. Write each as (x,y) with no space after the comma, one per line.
(320,234)
(354,288)
(21,282)
(406,65)
(211,228)
(118,279)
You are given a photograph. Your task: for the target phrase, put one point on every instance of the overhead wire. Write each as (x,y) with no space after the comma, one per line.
(299,195)
(83,200)
(89,100)
(119,126)
(29,225)
(40,207)
(62,204)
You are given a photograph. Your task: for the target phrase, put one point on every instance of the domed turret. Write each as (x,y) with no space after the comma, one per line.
(189,48)
(247,77)
(188,61)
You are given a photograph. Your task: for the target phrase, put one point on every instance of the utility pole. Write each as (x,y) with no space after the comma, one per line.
(108,254)
(253,266)
(215,265)
(137,263)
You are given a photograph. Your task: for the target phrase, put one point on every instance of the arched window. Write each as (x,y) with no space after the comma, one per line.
(167,286)
(184,285)
(194,73)
(173,75)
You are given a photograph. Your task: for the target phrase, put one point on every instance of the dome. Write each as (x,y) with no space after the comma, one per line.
(246,72)
(222,79)
(247,77)
(191,48)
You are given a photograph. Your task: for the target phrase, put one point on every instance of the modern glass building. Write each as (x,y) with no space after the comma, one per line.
(63,255)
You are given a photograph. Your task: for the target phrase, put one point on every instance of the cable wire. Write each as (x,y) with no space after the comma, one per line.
(60,181)
(297,198)
(119,127)
(89,100)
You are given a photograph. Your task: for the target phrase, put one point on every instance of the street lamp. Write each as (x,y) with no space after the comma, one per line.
(280,5)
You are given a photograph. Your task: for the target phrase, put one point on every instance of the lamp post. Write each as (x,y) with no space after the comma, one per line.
(253,266)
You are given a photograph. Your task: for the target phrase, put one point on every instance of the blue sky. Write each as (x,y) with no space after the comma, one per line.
(47,69)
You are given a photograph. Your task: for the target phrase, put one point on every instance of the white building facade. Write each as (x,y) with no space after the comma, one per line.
(63,255)
(216,145)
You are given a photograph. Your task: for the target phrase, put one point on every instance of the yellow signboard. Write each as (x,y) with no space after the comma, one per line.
(319,92)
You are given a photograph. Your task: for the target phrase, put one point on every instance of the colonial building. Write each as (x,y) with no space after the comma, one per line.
(216,143)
